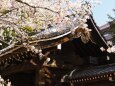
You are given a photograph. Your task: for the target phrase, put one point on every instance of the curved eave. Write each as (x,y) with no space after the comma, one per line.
(92,48)
(54,41)
(37,44)
(91,74)
(98,37)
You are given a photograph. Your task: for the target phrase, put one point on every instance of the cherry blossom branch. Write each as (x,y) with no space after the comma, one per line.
(7,48)
(3,41)
(7,11)
(35,6)
(15,29)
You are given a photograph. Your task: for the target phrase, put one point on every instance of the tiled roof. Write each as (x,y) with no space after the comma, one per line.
(91,72)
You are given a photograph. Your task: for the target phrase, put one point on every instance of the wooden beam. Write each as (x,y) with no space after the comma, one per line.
(18,68)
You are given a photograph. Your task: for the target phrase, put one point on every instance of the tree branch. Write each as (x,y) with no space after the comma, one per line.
(36,6)
(3,42)
(15,29)
(7,11)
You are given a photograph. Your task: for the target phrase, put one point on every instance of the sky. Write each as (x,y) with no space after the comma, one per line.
(100,11)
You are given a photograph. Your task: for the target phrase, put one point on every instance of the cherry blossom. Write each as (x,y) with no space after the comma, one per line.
(22,21)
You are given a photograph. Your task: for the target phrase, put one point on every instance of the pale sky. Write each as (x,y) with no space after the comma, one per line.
(100,11)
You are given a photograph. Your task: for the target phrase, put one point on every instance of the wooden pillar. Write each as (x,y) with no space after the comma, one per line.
(39,79)
(43,77)
(36,77)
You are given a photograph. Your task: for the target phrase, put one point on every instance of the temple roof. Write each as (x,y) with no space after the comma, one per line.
(64,35)
(92,48)
(86,74)
(91,73)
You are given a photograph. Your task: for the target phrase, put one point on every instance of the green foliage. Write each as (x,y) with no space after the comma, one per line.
(112,26)
(9,34)
(112,18)
(24,15)
(13,34)
(28,29)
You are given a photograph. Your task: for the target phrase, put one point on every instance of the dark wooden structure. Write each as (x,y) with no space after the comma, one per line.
(96,75)
(24,68)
